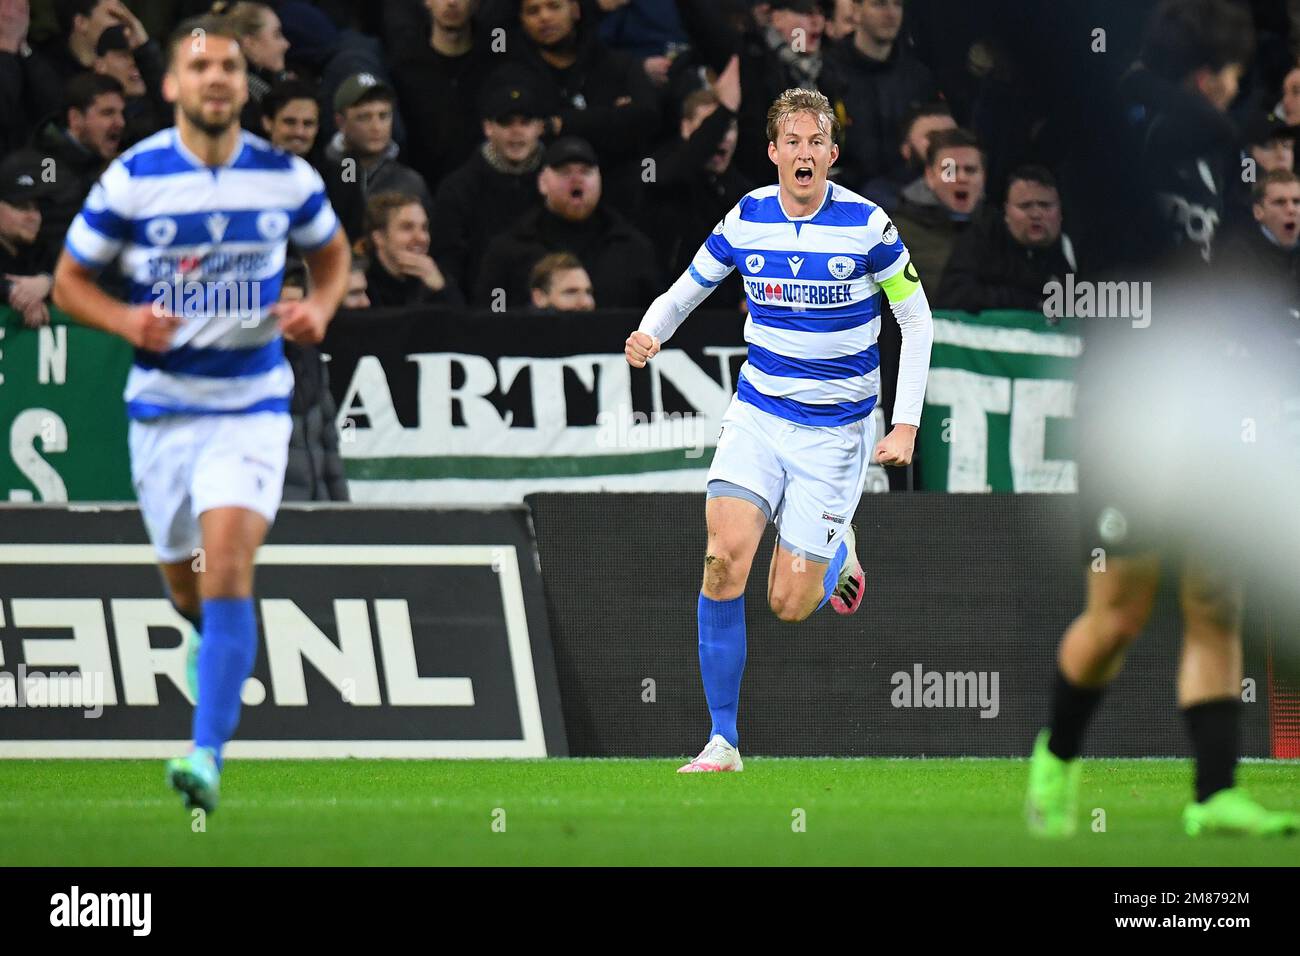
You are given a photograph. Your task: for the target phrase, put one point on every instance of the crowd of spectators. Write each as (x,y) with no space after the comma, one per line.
(463,142)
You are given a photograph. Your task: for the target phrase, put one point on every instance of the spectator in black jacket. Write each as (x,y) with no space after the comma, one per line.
(140,72)
(361,160)
(25,266)
(494,188)
(1269,145)
(291,119)
(80,24)
(954,177)
(908,178)
(618,257)
(401,270)
(29,86)
(315,468)
(696,184)
(784,52)
(442,126)
(1269,246)
(1004,260)
(587,91)
(81,143)
(879,81)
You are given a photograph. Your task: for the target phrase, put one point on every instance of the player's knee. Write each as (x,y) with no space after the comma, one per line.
(1119,625)
(1213,605)
(787,607)
(722,572)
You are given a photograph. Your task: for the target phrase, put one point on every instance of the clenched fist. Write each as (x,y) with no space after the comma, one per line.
(896,447)
(149,328)
(640,348)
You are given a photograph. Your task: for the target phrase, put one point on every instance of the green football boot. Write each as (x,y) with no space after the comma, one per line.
(1052,804)
(196,777)
(1233,812)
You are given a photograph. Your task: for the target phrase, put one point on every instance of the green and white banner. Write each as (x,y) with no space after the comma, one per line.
(999,404)
(487,408)
(441,407)
(62,424)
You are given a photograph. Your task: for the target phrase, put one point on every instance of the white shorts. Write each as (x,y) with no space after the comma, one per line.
(808,479)
(184,465)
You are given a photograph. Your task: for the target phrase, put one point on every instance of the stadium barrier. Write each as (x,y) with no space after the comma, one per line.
(952,652)
(442,407)
(423,632)
(384,633)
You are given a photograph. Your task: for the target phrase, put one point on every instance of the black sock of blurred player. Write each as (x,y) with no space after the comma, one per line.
(1072,708)
(1212,727)
(195,619)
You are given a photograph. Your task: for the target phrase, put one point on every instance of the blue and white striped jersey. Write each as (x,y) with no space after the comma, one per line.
(814,286)
(208,244)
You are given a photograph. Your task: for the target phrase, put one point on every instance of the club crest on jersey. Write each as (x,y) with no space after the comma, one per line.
(890,234)
(754,263)
(273,223)
(161,231)
(841,267)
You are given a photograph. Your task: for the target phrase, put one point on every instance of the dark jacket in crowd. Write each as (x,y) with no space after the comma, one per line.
(767,71)
(30,89)
(476,202)
(1250,251)
(349,195)
(686,201)
(988,269)
(315,469)
(76,168)
(146,115)
(618,257)
(876,96)
(31,260)
(1181,140)
(386,290)
(443,129)
(928,231)
(585,95)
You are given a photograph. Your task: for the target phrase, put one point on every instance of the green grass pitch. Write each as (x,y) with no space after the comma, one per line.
(370,812)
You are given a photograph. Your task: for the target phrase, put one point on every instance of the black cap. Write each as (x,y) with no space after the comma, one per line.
(509,99)
(360,86)
(20,177)
(569,149)
(112,38)
(1266,127)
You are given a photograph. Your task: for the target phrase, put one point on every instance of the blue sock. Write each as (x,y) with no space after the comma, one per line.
(225,660)
(722,660)
(833,573)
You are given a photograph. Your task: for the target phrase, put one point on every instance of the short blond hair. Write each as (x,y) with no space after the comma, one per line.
(793,102)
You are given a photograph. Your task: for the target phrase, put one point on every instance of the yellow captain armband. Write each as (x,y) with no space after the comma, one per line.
(902,283)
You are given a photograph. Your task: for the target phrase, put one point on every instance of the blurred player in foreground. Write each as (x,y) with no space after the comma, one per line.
(797,439)
(1158,408)
(197,217)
